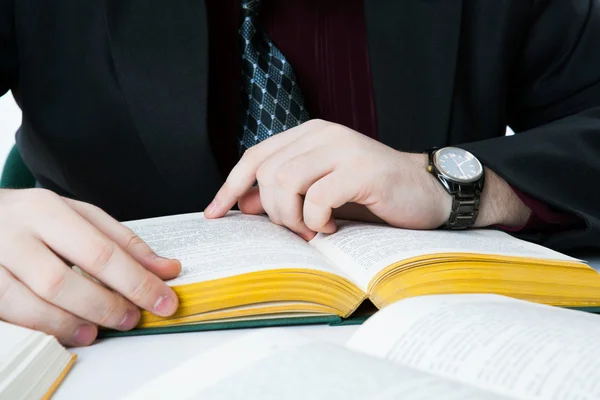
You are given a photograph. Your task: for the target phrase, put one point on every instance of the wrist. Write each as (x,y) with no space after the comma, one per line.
(500,205)
(434,191)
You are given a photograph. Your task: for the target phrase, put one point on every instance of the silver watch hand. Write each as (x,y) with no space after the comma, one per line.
(458,166)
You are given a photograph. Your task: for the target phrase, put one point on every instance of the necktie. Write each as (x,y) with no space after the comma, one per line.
(271,101)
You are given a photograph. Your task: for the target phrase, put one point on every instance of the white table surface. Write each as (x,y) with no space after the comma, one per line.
(115,367)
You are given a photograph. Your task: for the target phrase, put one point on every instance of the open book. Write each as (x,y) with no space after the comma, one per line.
(32,364)
(451,347)
(243,270)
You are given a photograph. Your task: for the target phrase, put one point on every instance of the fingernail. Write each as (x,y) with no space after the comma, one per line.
(130,320)
(164,306)
(158,258)
(85,334)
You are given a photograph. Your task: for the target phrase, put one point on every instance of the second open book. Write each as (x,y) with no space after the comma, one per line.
(451,347)
(242,270)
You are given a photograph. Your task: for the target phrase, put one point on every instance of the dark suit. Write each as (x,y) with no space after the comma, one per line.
(114,96)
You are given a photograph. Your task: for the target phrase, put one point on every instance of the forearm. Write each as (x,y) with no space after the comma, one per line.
(500,205)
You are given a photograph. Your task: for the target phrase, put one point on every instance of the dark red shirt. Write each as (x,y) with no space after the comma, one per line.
(325,42)
(331,63)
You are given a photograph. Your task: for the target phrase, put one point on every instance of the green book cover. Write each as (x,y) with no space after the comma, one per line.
(259,323)
(360,316)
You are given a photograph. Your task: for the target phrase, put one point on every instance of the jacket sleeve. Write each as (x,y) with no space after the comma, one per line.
(554,156)
(8,52)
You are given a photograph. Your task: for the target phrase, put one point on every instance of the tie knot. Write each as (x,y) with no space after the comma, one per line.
(251,6)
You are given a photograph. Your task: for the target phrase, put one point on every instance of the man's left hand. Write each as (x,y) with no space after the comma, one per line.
(307,172)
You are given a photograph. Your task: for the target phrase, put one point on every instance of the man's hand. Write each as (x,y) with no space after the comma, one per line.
(305,173)
(308,172)
(39,233)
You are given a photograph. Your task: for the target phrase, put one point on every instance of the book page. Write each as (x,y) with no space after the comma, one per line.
(14,339)
(232,245)
(364,249)
(19,347)
(512,347)
(276,364)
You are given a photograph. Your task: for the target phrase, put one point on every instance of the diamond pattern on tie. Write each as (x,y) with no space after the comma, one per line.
(271,99)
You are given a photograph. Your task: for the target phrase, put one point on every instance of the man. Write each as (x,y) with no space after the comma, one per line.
(142,108)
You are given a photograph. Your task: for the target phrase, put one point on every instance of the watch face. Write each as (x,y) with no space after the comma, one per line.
(458,164)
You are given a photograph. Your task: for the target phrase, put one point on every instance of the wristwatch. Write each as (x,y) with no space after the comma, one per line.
(462,175)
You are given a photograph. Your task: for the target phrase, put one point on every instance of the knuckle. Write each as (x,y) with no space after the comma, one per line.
(38,195)
(264,175)
(233,186)
(316,123)
(292,220)
(108,315)
(104,253)
(23,209)
(133,241)
(27,201)
(317,195)
(51,288)
(141,290)
(284,174)
(89,207)
(52,325)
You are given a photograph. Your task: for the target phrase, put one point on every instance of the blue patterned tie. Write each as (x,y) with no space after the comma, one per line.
(271,99)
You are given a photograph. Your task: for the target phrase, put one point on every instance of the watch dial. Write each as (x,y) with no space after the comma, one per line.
(458,164)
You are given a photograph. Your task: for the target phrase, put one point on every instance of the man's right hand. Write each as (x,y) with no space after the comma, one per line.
(39,230)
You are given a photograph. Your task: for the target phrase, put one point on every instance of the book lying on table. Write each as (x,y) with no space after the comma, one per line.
(243,271)
(32,364)
(451,347)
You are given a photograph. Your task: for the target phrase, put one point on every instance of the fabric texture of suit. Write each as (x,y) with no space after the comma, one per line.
(114,96)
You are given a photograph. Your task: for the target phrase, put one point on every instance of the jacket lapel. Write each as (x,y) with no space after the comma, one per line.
(160,55)
(413,48)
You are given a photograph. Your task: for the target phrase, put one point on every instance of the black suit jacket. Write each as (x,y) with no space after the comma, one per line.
(114,96)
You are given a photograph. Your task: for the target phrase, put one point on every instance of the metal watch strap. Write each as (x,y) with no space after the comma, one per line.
(465,198)
(465,208)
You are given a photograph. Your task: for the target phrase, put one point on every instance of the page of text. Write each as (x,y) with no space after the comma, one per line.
(510,346)
(232,245)
(363,250)
(277,364)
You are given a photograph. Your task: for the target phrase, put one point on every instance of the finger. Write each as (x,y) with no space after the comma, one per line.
(250,203)
(287,176)
(243,175)
(298,170)
(290,206)
(53,281)
(330,192)
(285,208)
(162,267)
(75,239)
(19,306)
